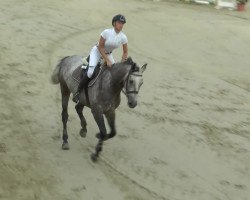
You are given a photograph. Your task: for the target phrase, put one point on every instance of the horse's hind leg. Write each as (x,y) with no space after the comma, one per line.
(65,100)
(79,108)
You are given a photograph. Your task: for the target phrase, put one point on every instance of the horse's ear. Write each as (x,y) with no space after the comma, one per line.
(144,67)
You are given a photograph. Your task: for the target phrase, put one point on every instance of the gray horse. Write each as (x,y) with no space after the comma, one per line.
(102,97)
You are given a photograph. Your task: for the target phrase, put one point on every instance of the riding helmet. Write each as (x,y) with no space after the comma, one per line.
(119,18)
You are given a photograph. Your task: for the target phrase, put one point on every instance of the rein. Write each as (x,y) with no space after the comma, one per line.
(94,80)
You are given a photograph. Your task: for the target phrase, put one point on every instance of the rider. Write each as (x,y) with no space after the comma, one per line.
(110,39)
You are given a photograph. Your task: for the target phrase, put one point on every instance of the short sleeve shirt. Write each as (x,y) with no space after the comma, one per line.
(113,40)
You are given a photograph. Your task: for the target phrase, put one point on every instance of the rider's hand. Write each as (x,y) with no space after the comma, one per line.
(124,59)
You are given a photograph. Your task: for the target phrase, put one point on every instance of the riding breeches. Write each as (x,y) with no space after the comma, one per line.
(94,58)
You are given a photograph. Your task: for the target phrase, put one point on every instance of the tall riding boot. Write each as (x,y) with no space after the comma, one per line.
(82,85)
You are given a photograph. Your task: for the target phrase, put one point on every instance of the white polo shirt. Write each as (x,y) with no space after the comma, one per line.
(113,40)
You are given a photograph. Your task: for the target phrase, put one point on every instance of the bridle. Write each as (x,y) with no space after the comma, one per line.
(131,73)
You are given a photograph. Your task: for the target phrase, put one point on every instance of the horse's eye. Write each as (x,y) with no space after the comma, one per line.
(131,81)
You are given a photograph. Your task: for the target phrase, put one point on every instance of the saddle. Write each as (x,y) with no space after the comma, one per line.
(78,72)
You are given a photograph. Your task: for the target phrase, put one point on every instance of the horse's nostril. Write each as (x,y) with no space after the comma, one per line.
(132,104)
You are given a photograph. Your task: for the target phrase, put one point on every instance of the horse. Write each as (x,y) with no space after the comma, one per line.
(102,95)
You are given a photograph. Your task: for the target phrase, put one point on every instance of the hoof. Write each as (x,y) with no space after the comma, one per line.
(65,146)
(94,157)
(83,132)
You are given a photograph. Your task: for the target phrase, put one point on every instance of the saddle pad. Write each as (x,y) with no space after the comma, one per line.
(77,73)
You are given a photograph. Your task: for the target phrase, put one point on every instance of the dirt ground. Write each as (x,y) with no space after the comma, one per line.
(188,138)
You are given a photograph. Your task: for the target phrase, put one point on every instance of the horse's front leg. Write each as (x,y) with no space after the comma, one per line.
(111,120)
(79,108)
(98,115)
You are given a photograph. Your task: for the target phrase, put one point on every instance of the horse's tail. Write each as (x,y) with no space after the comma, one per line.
(55,74)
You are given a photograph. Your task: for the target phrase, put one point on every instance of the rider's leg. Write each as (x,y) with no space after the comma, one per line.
(83,82)
(94,58)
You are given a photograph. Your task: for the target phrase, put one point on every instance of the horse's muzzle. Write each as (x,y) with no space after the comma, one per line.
(132,104)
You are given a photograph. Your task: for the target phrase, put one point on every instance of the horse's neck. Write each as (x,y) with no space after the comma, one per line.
(119,75)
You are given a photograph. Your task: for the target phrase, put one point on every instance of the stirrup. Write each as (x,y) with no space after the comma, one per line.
(76,97)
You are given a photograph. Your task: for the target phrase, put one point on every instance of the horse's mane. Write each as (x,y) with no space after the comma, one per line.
(129,61)
(134,66)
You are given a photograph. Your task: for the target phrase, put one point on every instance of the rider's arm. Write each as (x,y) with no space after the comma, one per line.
(101,49)
(125,52)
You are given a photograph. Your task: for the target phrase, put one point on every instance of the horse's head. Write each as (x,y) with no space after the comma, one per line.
(133,83)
